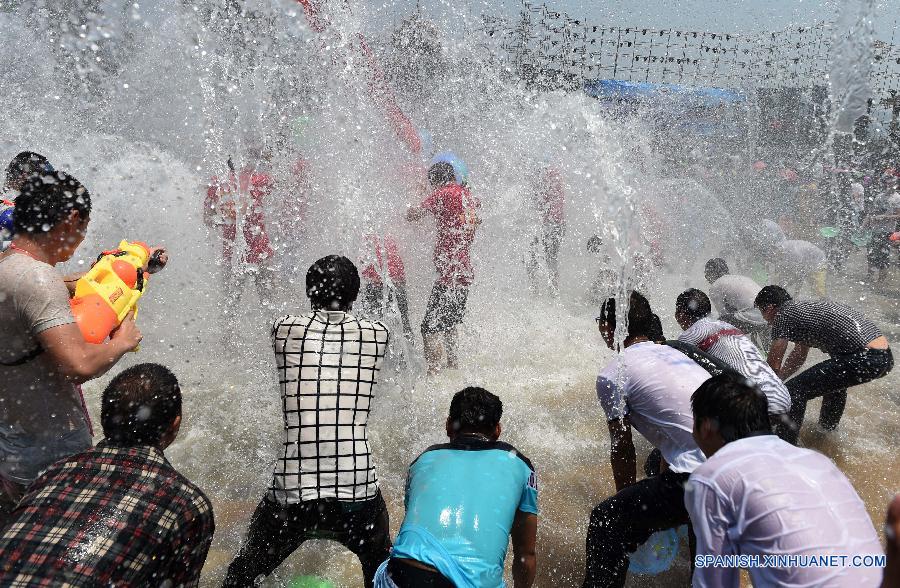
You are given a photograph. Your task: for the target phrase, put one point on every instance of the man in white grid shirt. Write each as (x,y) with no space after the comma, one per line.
(324,484)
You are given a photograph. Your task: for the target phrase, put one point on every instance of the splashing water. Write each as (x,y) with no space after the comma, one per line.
(146,102)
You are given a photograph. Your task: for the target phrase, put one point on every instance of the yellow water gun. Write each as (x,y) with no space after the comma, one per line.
(110,290)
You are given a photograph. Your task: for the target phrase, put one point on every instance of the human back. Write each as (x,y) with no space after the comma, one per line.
(656,396)
(466,494)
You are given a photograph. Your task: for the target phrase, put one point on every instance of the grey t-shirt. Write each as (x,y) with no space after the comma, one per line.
(42,416)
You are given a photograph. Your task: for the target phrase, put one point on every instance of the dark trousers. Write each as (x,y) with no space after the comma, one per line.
(406,576)
(373,303)
(830,379)
(623,522)
(276,531)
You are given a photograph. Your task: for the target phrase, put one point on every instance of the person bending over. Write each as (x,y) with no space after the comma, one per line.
(324,485)
(464,500)
(118,514)
(732,296)
(654,398)
(858,352)
(758,495)
(725,342)
(43,355)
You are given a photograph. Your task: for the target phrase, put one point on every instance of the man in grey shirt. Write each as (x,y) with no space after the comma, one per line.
(43,355)
(757,496)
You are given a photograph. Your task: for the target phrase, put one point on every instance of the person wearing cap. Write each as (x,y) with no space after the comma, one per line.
(22,166)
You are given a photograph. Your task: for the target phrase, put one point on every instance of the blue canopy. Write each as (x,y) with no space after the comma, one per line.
(622,91)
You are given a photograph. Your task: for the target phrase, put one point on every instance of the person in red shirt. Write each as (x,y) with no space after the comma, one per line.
(384,281)
(456,212)
(239,200)
(547,195)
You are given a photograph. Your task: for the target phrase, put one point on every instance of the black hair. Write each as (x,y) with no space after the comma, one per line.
(46,200)
(694,304)
(140,404)
(332,283)
(640,315)
(475,410)
(736,408)
(24,165)
(656,329)
(715,269)
(595,244)
(440,174)
(771,296)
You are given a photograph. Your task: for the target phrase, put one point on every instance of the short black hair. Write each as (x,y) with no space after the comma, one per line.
(140,404)
(47,199)
(693,303)
(595,244)
(715,269)
(475,410)
(332,283)
(736,407)
(640,315)
(26,164)
(771,296)
(656,329)
(441,173)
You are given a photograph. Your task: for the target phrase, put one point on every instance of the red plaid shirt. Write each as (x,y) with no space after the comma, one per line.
(111,516)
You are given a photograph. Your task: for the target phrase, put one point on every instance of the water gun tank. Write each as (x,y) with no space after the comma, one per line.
(105,294)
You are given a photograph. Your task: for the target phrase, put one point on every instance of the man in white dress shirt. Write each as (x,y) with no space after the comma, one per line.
(759,497)
(647,387)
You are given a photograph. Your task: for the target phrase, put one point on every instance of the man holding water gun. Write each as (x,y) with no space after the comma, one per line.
(43,354)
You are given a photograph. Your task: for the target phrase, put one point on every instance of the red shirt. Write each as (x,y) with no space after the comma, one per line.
(455,209)
(374,268)
(219,208)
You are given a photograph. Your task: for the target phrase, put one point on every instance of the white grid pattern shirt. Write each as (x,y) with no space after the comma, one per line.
(327,363)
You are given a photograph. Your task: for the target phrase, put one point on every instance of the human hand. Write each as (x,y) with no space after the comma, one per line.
(159,257)
(127,334)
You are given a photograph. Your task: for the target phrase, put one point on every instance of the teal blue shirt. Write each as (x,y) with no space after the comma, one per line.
(461,499)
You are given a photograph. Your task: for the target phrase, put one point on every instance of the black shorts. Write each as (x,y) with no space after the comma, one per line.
(446,308)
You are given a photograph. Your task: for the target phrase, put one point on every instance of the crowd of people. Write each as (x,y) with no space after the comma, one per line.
(719,405)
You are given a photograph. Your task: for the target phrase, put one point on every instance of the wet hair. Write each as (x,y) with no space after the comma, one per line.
(640,315)
(736,408)
(441,174)
(46,200)
(771,296)
(140,404)
(475,410)
(715,269)
(24,165)
(595,244)
(332,283)
(656,330)
(694,304)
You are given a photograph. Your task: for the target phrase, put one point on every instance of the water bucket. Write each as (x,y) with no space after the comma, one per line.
(310,582)
(657,553)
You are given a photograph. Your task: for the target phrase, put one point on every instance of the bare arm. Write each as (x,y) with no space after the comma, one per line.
(81,361)
(794,361)
(621,453)
(524,539)
(776,354)
(71,280)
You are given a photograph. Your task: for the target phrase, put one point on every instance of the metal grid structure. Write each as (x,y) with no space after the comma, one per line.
(549,48)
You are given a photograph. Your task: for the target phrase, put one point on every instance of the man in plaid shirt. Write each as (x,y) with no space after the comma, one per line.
(324,485)
(118,514)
